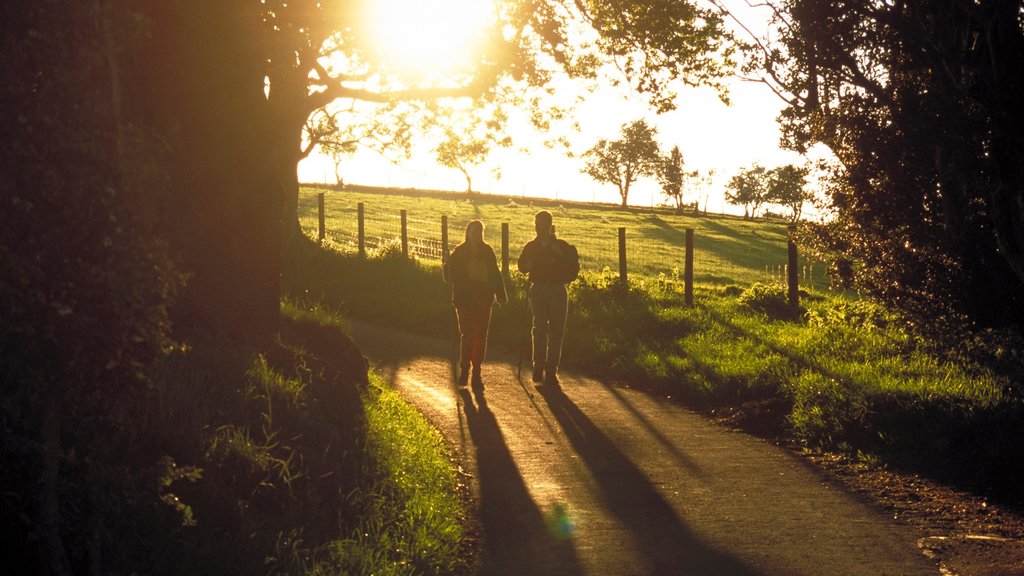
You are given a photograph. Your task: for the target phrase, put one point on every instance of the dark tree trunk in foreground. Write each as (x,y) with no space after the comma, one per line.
(209,95)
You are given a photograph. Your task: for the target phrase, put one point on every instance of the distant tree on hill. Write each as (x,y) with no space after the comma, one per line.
(786,187)
(671,176)
(675,180)
(468,136)
(339,134)
(462,152)
(748,188)
(621,162)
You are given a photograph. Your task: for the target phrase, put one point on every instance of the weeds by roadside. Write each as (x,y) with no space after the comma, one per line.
(294,462)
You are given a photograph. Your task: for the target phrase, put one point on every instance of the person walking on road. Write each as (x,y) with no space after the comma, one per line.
(551,263)
(472,270)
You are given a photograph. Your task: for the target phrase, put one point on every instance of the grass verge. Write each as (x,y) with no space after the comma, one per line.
(295,462)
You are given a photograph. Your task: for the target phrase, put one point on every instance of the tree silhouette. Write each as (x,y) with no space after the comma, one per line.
(462,153)
(620,162)
(671,176)
(339,134)
(919,103)
(748,188)
(786,187)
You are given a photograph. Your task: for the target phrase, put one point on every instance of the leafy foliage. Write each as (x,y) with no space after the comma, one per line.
(918,102)
(87,283)
(748,188)
(786,187)
(671,176)
(770,299)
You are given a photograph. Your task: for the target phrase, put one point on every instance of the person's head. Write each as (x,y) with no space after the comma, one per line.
(542,221)
(475,232)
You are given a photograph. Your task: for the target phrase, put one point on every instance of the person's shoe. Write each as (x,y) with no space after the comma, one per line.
(551,379)
(538,375)
(463,378)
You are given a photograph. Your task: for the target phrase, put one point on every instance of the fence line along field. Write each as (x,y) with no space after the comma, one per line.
(727,250)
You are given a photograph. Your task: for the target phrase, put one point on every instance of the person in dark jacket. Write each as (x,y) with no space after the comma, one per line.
(551,264)
(472,270)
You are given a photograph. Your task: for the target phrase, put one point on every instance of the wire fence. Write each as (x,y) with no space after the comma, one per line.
(655,248)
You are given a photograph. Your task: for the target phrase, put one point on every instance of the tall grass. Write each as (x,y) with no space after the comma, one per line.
(413,523)
(295,463)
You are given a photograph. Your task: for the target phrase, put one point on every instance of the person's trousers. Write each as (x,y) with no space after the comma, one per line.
(549,304)
(473,324)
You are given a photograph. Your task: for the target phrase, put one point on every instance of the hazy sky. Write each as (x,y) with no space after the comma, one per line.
(710,135)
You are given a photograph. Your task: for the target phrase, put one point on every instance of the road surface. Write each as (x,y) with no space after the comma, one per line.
(590,479)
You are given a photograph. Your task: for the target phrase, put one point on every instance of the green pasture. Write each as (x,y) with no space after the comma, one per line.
(727,250)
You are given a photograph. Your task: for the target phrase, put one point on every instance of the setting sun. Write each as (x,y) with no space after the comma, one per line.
(428,39)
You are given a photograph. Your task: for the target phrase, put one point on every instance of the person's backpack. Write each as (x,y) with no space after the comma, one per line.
(568,262)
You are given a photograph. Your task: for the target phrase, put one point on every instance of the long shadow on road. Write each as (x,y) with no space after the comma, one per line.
(668,546)
(518,540)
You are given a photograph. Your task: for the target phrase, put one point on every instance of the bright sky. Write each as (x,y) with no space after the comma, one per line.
(710,135)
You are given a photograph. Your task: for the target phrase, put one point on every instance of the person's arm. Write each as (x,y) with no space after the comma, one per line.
(526,258)
(497,282)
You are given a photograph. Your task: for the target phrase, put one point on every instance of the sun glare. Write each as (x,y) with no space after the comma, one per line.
(429,39)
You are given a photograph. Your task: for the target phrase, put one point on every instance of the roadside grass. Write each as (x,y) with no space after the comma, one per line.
(295,462)
(414,518)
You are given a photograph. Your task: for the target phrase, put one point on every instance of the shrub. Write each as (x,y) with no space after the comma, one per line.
(859,314)
(769,299)
(388,250)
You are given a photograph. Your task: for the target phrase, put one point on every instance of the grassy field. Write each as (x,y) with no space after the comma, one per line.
(727,250)
(837,373)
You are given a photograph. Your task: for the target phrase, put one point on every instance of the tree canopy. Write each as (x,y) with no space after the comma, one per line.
(671,176)
(919,103)
(748,188)
(322,51)
(787,187)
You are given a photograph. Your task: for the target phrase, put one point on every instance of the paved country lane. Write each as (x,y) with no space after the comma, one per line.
(591,479)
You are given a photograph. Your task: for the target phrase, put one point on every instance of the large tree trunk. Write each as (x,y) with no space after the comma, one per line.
(226,218)
(288,177)
(289,109)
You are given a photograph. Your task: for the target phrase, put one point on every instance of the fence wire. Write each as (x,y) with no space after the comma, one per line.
(654,249)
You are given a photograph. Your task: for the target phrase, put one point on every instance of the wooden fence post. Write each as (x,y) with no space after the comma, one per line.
(320,232)
(793,270)
(623,278)
(444,238)
(361,218)
(504,249)
(405,234)
(688,269)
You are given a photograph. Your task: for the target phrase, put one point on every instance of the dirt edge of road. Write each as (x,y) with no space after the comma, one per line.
(965,533)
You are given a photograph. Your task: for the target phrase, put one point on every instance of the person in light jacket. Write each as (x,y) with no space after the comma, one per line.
(472,270)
